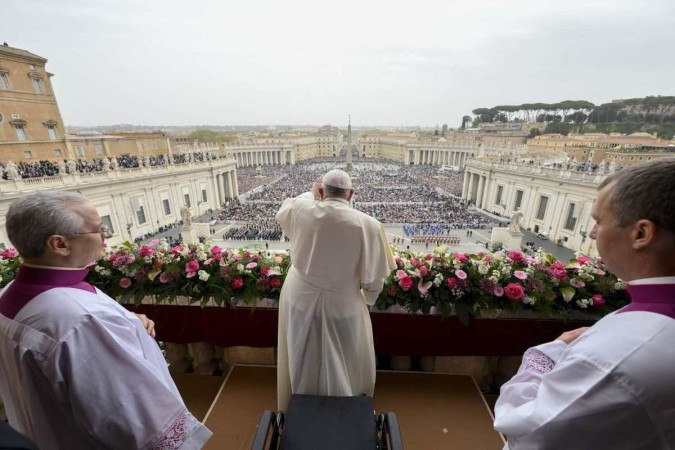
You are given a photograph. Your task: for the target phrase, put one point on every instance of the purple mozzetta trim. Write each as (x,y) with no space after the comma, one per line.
(32,281)
(656,298)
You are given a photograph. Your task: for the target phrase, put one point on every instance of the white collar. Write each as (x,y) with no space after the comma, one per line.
(655,280)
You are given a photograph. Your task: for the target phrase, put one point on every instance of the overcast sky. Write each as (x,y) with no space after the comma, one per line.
(255,62)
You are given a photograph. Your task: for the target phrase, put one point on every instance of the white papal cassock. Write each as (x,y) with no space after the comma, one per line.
(339,260)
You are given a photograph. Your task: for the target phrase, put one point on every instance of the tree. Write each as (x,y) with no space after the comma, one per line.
(534,132)
(558,127)
(206,136)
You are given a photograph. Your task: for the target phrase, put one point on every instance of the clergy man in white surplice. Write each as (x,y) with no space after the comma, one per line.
(339,260)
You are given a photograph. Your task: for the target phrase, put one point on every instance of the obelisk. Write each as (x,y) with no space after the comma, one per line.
(349,146)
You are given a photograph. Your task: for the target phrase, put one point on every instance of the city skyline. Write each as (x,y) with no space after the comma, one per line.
(288,64)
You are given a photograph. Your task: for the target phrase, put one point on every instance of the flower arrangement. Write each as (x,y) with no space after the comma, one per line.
(198,271)
(452,283)
(468,283)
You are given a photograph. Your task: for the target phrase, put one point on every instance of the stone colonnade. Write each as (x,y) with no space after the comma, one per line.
(226,186)
(438,157)
(475,188)
(263,157)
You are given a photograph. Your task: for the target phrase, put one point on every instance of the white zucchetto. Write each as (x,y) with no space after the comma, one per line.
(338,179)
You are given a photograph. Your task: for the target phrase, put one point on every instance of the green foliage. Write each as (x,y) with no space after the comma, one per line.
(208,136)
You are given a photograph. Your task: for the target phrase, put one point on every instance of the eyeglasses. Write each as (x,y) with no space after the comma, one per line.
(104,230)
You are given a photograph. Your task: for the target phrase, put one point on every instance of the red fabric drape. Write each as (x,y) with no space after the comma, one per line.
(395,334)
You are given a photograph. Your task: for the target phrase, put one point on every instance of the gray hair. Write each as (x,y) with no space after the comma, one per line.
(34,217)
(644,191)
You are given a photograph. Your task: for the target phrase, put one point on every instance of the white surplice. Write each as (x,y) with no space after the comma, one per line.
(612,388)
(78,371)
(339,260)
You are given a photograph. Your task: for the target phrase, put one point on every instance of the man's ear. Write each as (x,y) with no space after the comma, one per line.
(321,193)
(58,245)
(643,234)
(351,194)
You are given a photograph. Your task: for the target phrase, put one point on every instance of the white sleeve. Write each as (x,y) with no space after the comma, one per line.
(117,395)
(560,400)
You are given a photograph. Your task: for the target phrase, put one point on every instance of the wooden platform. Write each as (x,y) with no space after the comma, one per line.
(435,411)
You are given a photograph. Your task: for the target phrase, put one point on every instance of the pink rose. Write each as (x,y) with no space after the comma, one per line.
(401,274)
(461,257)
(251,265)
(163,278)
(237,283)
(192,266)
(8,253)
(255,258)
(125,283)
(414,261)
(406,283)
(498,291)
(598,300)
(515,256)
(399,262)
(423,271)
(275,283)
(215,250)
(177,249)
(265,271)
(145,251)
(514,291)
(191,274)
(577,283)
(452,283)
(460,274)
(583,259)
(208,261)
(520,275)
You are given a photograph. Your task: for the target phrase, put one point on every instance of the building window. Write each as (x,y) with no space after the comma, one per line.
(140,214)
(572,215)
(154,145)
(541,211)
(20,132)
(519,199)
(98,149)
(38,87)
(51,129)
(500,192)
(108,223)
(187,200)
(204,198)
(166,206)
(79,150)
(27,154)
(4,81)
(57,152)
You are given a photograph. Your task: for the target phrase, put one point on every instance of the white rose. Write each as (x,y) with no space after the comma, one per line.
(203,275)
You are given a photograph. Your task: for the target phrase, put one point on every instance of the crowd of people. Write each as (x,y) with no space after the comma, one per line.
(390,192)
(47,168)
(267,230)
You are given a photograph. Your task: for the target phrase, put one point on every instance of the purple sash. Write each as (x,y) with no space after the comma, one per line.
(32,281)
(656,298)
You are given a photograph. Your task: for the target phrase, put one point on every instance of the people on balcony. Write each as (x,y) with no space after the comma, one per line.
(611,386)
(339,261)
(77,370)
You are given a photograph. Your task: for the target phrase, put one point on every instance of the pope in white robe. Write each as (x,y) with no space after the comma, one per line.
(340,258)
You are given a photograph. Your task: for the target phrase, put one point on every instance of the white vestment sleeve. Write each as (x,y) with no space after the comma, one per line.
(545,401)
(117,394)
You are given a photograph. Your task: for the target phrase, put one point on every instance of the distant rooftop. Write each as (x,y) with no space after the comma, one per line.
(6,50)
